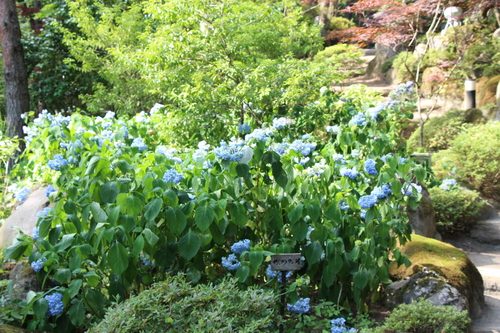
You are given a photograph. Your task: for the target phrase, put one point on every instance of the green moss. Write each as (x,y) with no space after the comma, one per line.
(443,258)
(11,329)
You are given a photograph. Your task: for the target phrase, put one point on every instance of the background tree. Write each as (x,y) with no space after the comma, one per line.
(16,78)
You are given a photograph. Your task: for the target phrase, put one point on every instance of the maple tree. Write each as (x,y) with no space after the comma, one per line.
(395,22)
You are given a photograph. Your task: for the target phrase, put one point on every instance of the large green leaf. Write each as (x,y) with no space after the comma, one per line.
(189,244)
(118,258)
(98,213)
(77,313)
(295,214)
(204,217)
(238,214)
(151,238)
(360,278)
(40,307)
(153,208)
(313,252)
(109,192)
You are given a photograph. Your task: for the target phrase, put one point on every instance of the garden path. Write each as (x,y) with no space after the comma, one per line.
(482,244)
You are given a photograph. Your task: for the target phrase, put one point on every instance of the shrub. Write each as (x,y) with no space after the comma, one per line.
(440,131)
(177,306)
(474,158)
(340,23)
(456,209)
(424,317)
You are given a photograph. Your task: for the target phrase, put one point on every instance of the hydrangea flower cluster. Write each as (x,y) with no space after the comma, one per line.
(280,148)
(231,263)
(258,134)
(344,205)
(202,151)
(447,183)
(305,148)
(44,212)
(382,192)
(280,123)
(241,246)
(351,173)
(169,153)
(57,163)
(335,129)
(359,119)
(338,326)
(38,264)
(302,161)
(244,128)
(301,306)
(139,143)
(367,201)
(402,89)
(22,194)
(276,274)
(172,176)
(35,233)
(231,152)
(56,305)
(375,111)
(338,158)
(370,167)
(408,189)
(142,117)
(157,107)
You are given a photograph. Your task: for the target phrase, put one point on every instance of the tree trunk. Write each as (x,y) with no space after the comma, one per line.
(16,77)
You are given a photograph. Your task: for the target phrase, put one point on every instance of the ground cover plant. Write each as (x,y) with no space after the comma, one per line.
(128,210)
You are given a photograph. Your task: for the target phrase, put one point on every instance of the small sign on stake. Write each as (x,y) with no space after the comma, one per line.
(284,263)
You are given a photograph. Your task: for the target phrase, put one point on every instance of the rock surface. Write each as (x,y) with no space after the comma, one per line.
(423,219)
(24,217)
(23,279)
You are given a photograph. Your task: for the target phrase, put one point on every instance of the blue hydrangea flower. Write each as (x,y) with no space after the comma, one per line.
(301,306)
(351,173)
(244,128)
(338,158)
(139,143)
(370,167)
(382,192)
(142,118)
(241,246)
(280,148)
(44,212)
(57,163)
(359,119)
(109,115)
(279,123)
(375,111)
(38,265)
(363,213)
(335,129)
(35,233)
(171,175)
(367,201)
(408,189)
(306,136)
(169,153)
(447,183)
(56,305)
(344,205)
(157,107)
(231,152)
(338,326)
(72,160)
(50,189)
(301,161)
(231,263)
(146,262)
(22,194)
(305,148)
(257,134)
(277,274)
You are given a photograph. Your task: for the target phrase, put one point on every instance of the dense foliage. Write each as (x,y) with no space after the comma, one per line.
(127,209)
(474,158)
(423,317)
(456,208)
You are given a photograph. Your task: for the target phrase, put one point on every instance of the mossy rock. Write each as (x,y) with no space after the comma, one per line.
(11,329)
(446,260)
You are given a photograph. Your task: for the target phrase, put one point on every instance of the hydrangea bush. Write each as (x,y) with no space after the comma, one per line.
(218,210)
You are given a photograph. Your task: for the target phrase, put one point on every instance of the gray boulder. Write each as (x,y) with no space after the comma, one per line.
(24,217)
(423,219)
(382,54)
(23,280)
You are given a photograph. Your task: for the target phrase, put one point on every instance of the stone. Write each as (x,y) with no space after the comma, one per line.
(382,54)
(496,34)
(425,284)
(423,219)
(452,266)
(12,329)
(486,88)
(23,280)
(24,217)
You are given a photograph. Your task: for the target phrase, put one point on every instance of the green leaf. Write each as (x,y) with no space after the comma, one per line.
(313,252)
(118,258)
(133,205)
(238,214)
(64,243)
(151,238)
(92,165)
(279,174)
(63,275)
(313,211)
(242,273)
(255,258)
(138,245)
(98,213)
(299,230)
(204,217)
(242,170)
(70,207)
(189,244)
(75,262)
(360,278)
(109,192)
(74,287)
(296,213)
(171,198)
(420,173)
(153,209)
(193,275)
(76,313)
(40,307)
